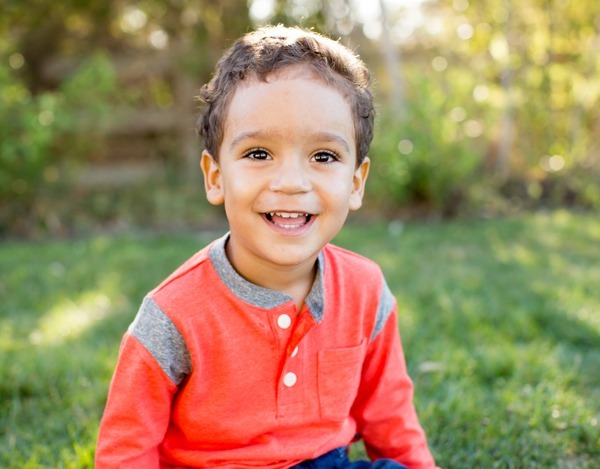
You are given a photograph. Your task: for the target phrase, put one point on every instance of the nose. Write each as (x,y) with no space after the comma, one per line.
(290,177)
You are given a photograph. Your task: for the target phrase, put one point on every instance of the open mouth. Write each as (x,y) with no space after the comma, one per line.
(288,220)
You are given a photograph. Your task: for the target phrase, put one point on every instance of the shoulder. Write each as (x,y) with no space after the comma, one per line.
(162,339)
(346,255)
(181,293)
(351,265)
(198,260)
(161,324)
(362,280)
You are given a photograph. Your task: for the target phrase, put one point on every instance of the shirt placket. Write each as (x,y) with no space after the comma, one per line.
(291,386)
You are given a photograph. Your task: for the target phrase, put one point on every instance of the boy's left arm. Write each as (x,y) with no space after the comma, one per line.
(384,410)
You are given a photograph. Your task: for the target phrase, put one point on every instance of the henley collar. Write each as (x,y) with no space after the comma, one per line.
(260,296)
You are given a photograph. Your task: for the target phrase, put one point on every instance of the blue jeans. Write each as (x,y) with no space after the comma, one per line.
(338,459)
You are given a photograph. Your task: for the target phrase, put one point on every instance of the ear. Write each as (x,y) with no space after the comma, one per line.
(358,184)
(213,183)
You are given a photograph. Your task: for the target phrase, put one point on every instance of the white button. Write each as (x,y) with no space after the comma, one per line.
(295,352)
(290,379)
(284,321)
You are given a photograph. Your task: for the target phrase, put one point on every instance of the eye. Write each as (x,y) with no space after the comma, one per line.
(257,154)
(325,156)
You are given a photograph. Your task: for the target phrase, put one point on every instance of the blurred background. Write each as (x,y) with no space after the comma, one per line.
(485,108)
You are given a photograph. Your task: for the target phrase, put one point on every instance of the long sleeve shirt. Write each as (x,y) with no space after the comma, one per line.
(218,372)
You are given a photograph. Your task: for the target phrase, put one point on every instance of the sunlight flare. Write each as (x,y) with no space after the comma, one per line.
(70,318)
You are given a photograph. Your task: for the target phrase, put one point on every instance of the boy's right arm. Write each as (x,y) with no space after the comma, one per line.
(137,412)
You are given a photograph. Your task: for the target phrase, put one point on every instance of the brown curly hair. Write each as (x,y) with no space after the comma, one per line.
(271,48)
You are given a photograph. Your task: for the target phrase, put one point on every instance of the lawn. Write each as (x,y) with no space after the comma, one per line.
(500,321)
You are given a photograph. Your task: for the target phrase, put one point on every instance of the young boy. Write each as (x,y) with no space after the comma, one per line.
(270,347)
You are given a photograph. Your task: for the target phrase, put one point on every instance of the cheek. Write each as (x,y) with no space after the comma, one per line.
(240,191)
(339,199)
(339,187)
(239,184)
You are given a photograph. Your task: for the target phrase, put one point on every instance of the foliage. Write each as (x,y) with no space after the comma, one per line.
(500,325)
(60,95)
(501,106)
(157,205)
(485,107)
(424,163)
(42,136)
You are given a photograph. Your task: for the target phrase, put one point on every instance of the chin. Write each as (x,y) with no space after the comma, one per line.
(292,257)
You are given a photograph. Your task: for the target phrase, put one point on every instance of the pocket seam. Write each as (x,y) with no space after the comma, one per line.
(336,392)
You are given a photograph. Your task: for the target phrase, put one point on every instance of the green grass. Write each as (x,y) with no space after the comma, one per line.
(500,322)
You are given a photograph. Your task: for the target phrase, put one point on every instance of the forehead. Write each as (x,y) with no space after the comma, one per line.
(291,100)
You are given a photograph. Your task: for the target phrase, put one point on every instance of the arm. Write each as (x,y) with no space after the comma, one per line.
(153,361)
(137,411)
(384,408)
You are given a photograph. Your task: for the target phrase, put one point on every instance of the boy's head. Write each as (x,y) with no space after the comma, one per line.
(268,49)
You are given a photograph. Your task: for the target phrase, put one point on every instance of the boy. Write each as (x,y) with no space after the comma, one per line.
(271,348)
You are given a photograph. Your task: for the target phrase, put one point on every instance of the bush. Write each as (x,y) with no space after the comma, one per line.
(42,137)
(440,160)
(426,162)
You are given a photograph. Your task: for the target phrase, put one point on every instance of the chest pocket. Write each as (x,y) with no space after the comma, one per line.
(339,372)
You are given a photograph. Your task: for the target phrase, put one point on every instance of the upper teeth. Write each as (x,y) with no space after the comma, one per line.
(288,214)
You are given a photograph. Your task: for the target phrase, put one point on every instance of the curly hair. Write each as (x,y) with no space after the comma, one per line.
(268,49)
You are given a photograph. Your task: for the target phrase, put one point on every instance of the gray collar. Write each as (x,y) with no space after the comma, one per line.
(263,297)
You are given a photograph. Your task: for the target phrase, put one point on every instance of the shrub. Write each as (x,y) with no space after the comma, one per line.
(42,137)
(427,161)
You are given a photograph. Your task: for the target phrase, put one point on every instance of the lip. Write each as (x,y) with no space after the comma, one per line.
(289,223)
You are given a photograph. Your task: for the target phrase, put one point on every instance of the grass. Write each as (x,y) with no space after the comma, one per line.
(500,321)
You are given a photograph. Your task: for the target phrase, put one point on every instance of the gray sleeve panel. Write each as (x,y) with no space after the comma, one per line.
(384,309)
(157,333)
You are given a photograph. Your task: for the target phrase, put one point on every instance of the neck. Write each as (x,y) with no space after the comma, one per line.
(294,280)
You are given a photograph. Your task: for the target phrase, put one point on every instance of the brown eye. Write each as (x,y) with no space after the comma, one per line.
(257,154)
(325,157)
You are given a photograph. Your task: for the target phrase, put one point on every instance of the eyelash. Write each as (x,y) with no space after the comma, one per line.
(331,154)
(252,154)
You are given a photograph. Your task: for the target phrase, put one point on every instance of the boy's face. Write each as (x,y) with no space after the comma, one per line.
(287,170)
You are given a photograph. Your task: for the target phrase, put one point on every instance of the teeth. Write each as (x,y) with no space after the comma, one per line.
(295,219)
(288,214)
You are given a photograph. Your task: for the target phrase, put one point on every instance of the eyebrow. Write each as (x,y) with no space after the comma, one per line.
(266,134)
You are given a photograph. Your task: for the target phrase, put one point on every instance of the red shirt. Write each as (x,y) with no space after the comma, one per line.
(218,372)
